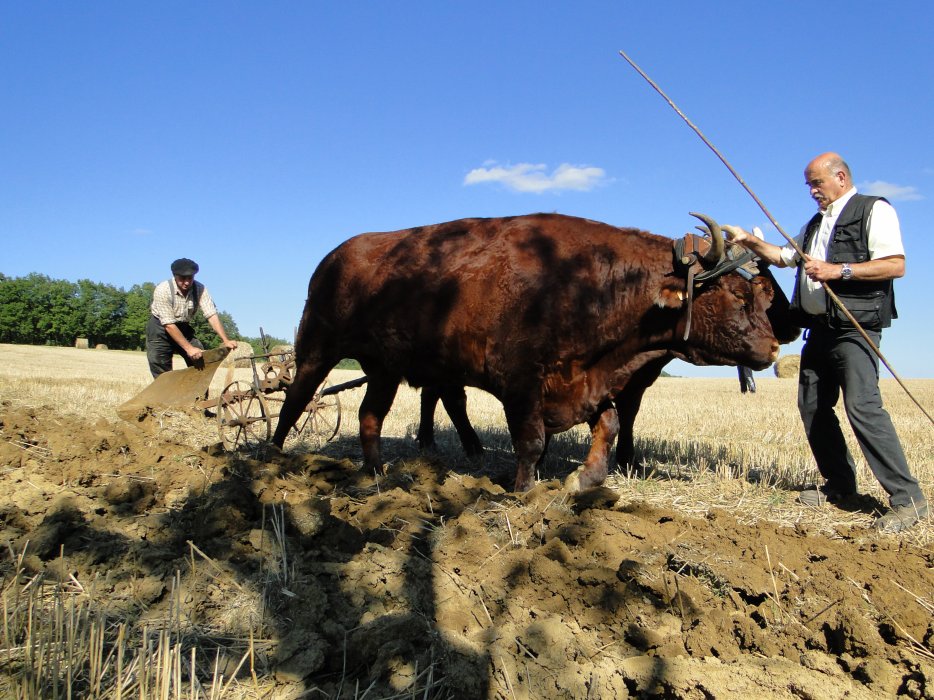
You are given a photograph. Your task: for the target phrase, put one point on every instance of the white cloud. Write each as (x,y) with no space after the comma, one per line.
(893,193)
(529,177)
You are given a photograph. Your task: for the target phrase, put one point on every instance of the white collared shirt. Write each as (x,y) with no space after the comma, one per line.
(885,240)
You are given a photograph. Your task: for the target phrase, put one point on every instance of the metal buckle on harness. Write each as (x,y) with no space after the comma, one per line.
(688,255)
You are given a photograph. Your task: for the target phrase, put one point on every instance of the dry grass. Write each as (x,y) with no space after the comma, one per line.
(57,643)
(689,430)
(702,446)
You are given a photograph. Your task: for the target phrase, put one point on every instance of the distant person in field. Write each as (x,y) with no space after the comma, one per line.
(174,304)
(854,246)
(746,381)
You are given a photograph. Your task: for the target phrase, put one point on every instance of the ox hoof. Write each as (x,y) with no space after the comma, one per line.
(374,469)
(271,452)
(426,445)
(580,480)
(598,497)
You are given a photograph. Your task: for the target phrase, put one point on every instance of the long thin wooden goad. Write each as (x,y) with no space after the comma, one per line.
(791,241)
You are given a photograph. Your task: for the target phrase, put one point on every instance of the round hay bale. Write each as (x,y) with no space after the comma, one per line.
(81,343)
(787,366)
(100,346)
(276,352)
(239,357)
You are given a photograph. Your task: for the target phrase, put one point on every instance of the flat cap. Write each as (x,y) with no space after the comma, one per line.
(184,266)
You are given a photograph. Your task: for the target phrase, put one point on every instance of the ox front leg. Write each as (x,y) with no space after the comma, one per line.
(627,406)
(380,392)
(454,399)
(430,396)
(455,403)
(308,377)
(603,429)
(527,430)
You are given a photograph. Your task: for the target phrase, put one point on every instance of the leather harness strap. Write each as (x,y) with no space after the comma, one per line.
(687,255)
(687,325)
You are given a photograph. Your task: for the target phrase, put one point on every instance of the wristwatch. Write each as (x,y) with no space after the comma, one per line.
(846,272)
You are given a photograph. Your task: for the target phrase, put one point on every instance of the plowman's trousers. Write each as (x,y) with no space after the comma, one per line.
(834,360)
(160,347)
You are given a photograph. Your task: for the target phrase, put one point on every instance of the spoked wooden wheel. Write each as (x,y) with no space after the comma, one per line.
(321,419)
(242,417)
(277,376)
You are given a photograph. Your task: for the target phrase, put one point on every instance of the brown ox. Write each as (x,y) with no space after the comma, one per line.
(553,315)
(627,401)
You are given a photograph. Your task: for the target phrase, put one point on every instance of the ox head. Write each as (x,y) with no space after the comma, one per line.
(734,312)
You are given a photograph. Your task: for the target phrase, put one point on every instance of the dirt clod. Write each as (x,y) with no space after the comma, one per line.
(361,580)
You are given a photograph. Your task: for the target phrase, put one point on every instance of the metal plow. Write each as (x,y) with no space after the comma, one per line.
(180,389)
(244,410)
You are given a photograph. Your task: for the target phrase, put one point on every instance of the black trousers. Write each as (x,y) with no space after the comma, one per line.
(746,381)
(160,347)
(841,360)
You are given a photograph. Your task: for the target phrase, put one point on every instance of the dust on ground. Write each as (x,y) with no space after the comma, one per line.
(440,578)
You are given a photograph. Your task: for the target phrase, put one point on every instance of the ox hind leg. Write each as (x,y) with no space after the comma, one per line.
(604,425)
(308,377)
(380,392)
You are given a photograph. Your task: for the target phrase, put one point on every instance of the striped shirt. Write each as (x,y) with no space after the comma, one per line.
(169,305)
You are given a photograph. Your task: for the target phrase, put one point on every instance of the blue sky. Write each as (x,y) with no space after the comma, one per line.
(255,137)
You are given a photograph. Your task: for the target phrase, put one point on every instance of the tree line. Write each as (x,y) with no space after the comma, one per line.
(38,310)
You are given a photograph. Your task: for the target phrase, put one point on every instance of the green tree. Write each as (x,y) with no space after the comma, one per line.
(58,312)
(257,343)
(45,311)
(16,322)
(101,310)
(206,334)
(133,326)
(37,310)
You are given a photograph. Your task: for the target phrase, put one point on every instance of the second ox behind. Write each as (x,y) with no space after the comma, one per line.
(554,315)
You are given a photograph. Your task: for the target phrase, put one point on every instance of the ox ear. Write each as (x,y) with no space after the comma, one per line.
(670,297)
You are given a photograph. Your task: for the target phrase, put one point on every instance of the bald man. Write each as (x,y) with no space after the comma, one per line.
(853,245)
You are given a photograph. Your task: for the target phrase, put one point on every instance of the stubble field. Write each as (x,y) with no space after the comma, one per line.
(142,560)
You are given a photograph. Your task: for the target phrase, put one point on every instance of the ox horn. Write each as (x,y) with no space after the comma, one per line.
(715,254)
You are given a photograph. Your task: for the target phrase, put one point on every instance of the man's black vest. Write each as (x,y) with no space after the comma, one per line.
(871,303)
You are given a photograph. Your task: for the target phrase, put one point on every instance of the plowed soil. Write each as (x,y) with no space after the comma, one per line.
(439,578)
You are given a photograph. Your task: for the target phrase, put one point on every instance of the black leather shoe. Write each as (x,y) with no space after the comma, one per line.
(901,518)
(817,497)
